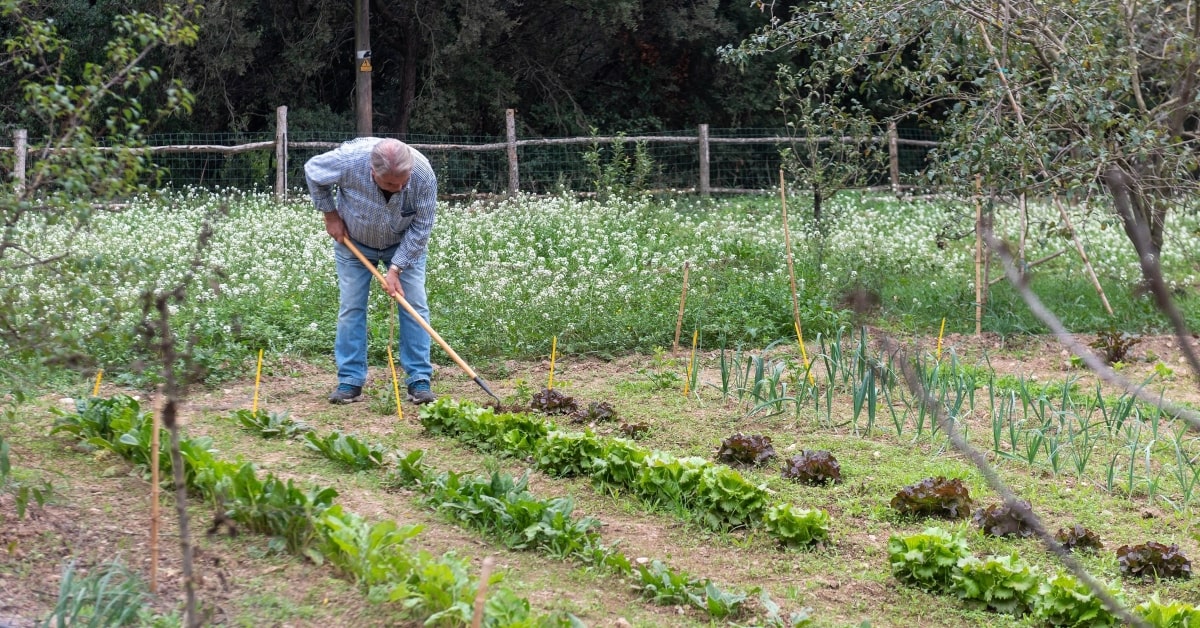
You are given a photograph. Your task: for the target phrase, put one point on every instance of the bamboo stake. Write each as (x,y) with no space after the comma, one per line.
(257,380)
(154,518)
(481,594)
(1087,264)
(1040,260)
(553,349)
(787,242)
(691,363)
(939,344)
(978,256)
(96,388)
(679,319)
(395,383)
(804,355)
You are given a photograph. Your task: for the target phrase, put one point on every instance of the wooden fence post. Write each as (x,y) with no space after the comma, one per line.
(705,186)
(510,127)
(894,157)
(280,152)
(20,147)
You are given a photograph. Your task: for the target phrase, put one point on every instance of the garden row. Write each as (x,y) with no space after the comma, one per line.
(437,589)
(940,562)
(503,508)
(715,495)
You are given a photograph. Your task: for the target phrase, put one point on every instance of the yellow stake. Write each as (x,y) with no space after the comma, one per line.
(804,355)
(940,332)
(553,348)
(96,388)
(257,379)
(691,362)
(395,383)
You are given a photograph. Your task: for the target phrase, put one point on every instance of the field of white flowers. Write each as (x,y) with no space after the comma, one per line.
(506,276)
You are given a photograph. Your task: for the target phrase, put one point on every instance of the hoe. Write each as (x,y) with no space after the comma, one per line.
(413,313)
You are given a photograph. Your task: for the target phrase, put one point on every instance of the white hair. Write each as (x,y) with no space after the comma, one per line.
(391,157)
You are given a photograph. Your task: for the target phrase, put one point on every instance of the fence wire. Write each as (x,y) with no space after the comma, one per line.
(551,167)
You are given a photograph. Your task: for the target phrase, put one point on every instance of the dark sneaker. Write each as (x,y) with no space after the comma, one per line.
(345,393)
(419,393)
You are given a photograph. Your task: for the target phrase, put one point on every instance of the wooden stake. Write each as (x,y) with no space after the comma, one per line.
(96,388)
(257,380)
(395,383)
(481,594)
(154,519)
(679,319)
(553,349)
(978,256)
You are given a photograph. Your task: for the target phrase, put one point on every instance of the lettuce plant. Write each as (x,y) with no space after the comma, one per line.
(550,401)
(1005,584)
(753,450)
(815,467)
(1078,537)
(598,412)
(1153,560)
(927,560)
(566,455)
(935,497)
(1000,520)
(1168,615)
(797,527)
(618,463)
(1065,601)
(725,499)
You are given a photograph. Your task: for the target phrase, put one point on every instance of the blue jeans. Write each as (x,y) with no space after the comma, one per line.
(354,284)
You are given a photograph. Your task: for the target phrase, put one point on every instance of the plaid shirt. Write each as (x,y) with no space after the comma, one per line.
(406,218)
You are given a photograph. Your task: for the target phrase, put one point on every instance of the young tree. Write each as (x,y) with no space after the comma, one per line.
(86,121)
(1061,98)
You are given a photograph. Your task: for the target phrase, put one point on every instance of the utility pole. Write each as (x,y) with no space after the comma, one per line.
(362,67)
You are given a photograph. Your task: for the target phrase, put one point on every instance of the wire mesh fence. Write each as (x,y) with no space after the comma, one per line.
(705,160)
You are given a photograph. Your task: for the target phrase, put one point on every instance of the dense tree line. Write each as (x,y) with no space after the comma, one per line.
(451,67)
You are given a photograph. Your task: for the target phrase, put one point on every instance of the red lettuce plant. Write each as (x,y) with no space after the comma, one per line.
(1153,561)
(935,497)
(813,467)
(739,449)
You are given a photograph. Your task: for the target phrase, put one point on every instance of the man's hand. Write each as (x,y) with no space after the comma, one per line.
(335,227)
(391,281)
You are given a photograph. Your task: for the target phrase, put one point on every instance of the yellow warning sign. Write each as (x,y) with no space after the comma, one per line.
(365,66)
